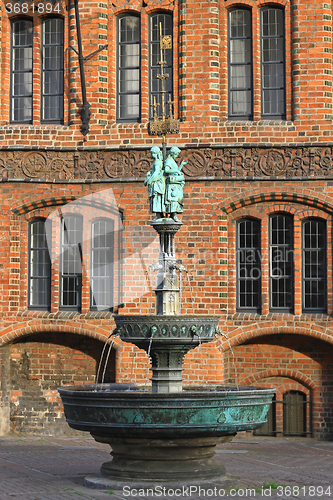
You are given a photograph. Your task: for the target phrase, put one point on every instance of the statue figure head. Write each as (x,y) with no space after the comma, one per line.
(156,152)
(174,152)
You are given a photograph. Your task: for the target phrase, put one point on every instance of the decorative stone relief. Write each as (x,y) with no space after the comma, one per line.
(201,163)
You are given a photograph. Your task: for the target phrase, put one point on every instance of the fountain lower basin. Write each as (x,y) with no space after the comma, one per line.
(125,410)
(164,437)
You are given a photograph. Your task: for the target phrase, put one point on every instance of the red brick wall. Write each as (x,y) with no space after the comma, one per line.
(213,204)
(200,83)
(205,245)
(41,363)
(289,362)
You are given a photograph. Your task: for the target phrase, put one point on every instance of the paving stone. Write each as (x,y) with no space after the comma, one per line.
(55,468)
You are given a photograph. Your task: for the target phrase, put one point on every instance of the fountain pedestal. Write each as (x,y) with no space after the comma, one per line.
(166,460)
(167,290)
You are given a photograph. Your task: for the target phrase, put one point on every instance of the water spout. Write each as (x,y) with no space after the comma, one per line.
(107,357)
(103,350)
(219,332)
(148,357)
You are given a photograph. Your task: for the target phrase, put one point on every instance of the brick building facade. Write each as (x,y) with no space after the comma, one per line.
(251,83)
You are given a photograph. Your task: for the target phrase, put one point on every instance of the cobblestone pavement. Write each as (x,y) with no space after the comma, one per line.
(50,468)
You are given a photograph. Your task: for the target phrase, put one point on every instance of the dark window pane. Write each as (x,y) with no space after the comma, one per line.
(53,70)
(102,255)
(160,25)
(248,261)
(129,29)
(240,64)
(39,267)
(71,262)
(281,263)
(272,63)
(21,71)
(314,265)
(129,80)
(128,68)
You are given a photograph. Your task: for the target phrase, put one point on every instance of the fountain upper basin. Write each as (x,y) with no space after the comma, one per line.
(171,329)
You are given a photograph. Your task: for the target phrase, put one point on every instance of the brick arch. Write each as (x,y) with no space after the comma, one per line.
(134,9)
(41,203)
(312,199)
(240,3)
(243,334)
(275,3)
(313,214)
(37,214)
(281,372)
(137,9)
(166,9)
(24,329)
(245,212)
(248,215)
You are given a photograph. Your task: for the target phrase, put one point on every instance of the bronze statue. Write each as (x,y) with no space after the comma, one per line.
(165,184)
(155,180)
(175,181)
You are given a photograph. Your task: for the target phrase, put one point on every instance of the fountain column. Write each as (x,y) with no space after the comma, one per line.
(167,362)
(167,290)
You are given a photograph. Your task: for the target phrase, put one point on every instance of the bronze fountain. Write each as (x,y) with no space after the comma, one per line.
(168,433)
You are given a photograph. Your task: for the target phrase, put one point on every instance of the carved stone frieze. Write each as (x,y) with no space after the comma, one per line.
(229,162)
(259,162)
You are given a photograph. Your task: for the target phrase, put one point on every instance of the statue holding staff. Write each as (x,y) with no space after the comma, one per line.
(175,181)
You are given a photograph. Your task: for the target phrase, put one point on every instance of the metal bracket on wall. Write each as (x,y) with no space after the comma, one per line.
(85,109)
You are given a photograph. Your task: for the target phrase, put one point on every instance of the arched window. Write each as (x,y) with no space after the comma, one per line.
(281,256)
(314,265)
(21,71)
(240,64)
(71,262)
(272,63)
(128,84)
(248,261)
(160,25)
(102,262)
(52,84)
(39,275)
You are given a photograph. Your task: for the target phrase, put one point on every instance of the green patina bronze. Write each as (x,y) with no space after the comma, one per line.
(165,183)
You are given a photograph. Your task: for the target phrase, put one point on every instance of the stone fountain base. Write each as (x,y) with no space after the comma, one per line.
(159,461)
(162,459)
